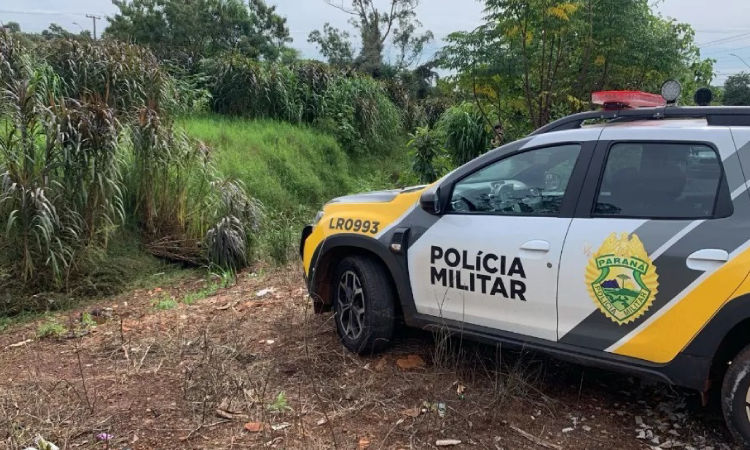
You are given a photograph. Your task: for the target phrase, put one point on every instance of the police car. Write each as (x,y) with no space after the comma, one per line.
(618,238)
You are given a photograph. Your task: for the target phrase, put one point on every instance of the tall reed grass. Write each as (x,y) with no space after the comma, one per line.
(87,143)
(355,109)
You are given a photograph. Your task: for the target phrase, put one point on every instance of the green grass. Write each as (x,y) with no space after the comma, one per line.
(290,168)
(211,289)
(293,170)
(165,303)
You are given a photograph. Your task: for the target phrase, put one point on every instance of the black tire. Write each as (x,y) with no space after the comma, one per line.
(735,395)
(369,331)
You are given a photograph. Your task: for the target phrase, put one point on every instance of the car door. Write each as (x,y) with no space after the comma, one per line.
(491,260)
(662,211)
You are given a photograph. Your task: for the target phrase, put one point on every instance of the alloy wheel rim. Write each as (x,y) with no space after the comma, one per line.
(351,303)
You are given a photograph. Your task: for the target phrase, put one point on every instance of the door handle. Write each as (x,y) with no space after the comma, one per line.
(707,259)
(536,246)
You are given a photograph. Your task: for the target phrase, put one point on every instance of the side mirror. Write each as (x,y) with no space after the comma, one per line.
(429,201)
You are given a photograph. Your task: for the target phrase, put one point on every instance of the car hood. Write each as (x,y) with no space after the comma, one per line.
(376,196)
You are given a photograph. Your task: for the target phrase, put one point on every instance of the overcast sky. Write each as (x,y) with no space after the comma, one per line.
(722,29)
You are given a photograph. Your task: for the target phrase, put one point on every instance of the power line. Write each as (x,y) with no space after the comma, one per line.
(724,40)
(721,30)
(43,13)
(713,52)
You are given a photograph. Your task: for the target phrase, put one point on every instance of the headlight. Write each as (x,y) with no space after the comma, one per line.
(318,216)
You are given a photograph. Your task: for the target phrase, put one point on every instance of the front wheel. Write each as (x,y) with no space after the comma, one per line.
(735,398)
(363,300)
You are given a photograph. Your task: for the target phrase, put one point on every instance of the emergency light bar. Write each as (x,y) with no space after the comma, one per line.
(627,99)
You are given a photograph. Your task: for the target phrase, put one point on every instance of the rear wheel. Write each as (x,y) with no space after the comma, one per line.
(735,398)
(363,300)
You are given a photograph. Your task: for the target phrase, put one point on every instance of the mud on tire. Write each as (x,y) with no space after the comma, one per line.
(363,300)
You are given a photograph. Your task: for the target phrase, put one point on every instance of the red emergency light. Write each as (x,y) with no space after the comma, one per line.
(627,99)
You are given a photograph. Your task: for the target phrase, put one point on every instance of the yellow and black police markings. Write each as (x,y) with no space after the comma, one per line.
(356,225)
(488,273)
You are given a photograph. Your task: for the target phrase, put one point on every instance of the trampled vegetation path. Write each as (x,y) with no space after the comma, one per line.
(196,365)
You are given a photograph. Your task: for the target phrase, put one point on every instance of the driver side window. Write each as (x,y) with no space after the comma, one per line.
(528,183)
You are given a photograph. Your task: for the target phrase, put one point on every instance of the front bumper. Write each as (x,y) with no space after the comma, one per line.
(306,232)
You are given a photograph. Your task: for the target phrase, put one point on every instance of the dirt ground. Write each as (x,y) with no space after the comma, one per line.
(252,368)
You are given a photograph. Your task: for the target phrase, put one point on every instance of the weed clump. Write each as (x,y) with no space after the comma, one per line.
(50,329)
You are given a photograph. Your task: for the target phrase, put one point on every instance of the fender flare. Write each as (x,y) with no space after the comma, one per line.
(338,246)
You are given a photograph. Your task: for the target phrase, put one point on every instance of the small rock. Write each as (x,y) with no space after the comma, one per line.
(586,428)
(447,442)
(638,420)
(280,426)
(567,430)
(264,292)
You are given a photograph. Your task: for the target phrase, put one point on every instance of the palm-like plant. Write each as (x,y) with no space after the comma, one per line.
(38,225)
(466,133)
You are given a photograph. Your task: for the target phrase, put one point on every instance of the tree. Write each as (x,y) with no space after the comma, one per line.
(543,58)
(12,27)
(375,27)
(55,31)
(737,90)
(334,45)
(195,29)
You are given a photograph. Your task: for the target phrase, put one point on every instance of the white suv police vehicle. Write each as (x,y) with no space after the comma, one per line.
(624,244)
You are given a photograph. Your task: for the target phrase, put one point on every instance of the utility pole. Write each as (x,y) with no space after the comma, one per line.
(93,17)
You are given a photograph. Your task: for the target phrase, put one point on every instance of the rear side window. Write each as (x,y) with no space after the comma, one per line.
(659,180)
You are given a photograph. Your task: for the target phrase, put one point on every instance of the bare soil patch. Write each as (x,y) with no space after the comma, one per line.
(237,370)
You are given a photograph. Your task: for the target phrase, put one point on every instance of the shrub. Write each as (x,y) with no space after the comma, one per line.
(466,133)
(360,115)
(433,109)
(280,237)
(427,154)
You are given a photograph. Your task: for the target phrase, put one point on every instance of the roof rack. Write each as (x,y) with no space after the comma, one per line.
(714,115)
